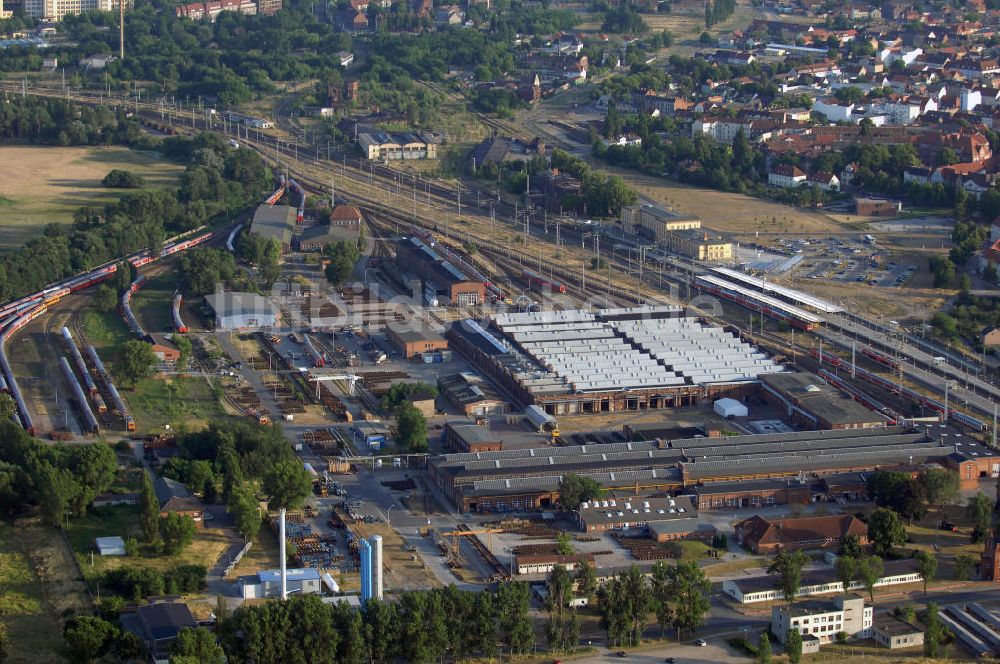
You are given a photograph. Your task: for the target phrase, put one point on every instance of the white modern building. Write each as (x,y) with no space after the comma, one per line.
(267,583)
(241,311)
(54,10)
(833,109)
(824,620)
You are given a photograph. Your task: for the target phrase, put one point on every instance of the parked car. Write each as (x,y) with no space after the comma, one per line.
(701,642)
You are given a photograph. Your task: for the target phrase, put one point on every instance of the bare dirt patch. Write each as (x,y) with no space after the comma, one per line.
(729,212)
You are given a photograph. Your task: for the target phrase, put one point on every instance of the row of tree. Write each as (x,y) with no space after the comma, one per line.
(422,626)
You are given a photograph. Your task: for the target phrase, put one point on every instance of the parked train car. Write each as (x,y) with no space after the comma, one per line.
(119,406)
(537,282)
(316,357)
(231,240)
(879,358)
(81,366)
(126,308)
(175,313)
(88,420)
(23,416)
(893,387)
(300,193)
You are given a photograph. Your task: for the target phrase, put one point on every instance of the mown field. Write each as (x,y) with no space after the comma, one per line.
(40,185)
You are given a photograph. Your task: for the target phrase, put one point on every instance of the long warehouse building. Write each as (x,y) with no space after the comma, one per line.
(526,479)
(569,362)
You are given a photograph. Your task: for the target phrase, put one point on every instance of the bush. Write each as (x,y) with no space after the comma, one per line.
(119,179)
(138,582)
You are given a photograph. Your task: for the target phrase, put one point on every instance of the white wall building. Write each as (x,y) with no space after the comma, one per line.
(824,620)
(267,583)
(833,109)
(241,311)
(762,588)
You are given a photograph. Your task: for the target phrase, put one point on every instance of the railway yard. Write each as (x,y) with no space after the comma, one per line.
(525,327)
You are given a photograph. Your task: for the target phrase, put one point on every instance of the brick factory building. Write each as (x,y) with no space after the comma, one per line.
(570,362)
(734,471)
(412,341)
(809,402)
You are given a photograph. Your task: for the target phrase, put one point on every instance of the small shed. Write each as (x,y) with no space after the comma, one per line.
(730,408)
(110,546)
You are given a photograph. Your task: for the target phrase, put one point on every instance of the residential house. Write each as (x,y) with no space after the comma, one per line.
(174,498)
(158,626)
(786,176)
(824,181)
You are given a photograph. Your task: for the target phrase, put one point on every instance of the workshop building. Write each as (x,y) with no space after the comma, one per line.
(413,339)
(740,471)
(241,311)
(275,222)
(810,402)
(637,513)
(471,394)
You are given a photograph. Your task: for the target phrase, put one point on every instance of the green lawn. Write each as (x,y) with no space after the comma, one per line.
(182,403)
(151,305)
(123,520)
(105,330)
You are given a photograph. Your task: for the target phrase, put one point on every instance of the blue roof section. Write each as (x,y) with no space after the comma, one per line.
(295,574)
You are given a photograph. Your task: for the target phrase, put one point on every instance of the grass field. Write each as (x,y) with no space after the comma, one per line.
(104,330)
(38,588)
(152,304)
(185,403)
(737,214)
(123,521)
(41,185)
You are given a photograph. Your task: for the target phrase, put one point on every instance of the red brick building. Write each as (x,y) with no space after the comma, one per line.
(761,535)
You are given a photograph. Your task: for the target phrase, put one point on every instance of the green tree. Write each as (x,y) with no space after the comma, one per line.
(135,362)
(484,625)
(286,484)
(885,531)
(793,646)
(990,274)
(764,649)
(927,566)
(105,300)
(847,570)
(201,268)
(935,635)
(690,591)
(246,512)
(200,645)
(939,485)
(964,564)
(513,603)
(560,590)
(787,566)
(870,570)
(575,489)
(342,256)
(3,642)
(850,546)
(564,544)
(177,532)
(184,347)
(411,428)
(586,579)
(88,637)
(150,510)
(980,513)
(120,179)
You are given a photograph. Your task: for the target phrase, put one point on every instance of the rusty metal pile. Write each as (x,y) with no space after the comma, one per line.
(646,549)
(333,403)
(321,441)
